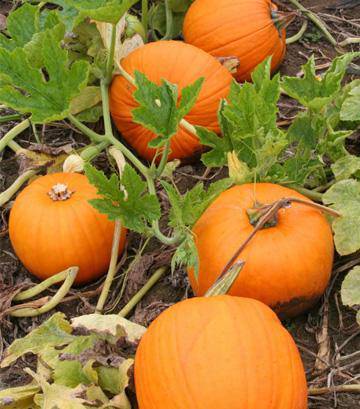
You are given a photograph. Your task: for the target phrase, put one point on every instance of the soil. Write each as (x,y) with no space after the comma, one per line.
(337,364)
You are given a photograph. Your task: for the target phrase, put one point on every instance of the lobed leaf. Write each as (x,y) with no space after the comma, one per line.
(126,200)
(344,196)
(159,110)
(45,94)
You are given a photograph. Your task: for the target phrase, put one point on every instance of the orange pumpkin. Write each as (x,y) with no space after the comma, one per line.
(181,64)
(219,352)
(247,29)
(287,266)
(52,227)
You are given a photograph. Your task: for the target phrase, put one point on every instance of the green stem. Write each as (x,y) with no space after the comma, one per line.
(349,40)
(7,118)
(54,301)
(106,107)
(316,20)
(112,269)
(14,146)
(44,285)
(90,152)
(164,159)
(311,194)
(169,21)
(14,132)
(9,192)
(142,292)
(93,136)
(111,56)
(298,35)
(144,17)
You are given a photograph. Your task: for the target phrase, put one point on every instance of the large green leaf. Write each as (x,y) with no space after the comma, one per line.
(46,94)
(350,110)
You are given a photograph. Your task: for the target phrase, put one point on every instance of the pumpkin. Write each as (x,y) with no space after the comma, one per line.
(287,266)
(181,64)
(52,226)
(250,30)
(220,352)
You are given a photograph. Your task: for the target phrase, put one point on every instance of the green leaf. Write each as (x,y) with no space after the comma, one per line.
(186,254)
(88,98)
(350,288)
(313,91)
(186,209)
(73,12)
(159,109)
(157,20)
(22,24)
(250,121)
(346,167)
(350,110)
(127,201)
(217,156)
(344,196)
(54,332)
(25,89)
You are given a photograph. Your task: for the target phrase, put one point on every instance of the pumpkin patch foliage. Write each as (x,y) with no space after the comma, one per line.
(253,233)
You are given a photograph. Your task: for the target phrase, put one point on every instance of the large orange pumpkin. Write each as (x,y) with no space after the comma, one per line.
(287,266)
(247,29)
(181,64)
(52,227)
(219,352)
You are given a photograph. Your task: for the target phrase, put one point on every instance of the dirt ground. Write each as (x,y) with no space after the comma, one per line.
(330,359)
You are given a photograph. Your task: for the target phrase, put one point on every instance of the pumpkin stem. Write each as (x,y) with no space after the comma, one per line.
(267,213)
(60,192)
(223,284)
(282,19)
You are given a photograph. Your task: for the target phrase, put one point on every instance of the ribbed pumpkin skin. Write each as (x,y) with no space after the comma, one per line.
(219,353)
(239,28)
(49,236)
(287,266)
(181,64)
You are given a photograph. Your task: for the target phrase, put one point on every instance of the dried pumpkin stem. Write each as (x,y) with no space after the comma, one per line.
(9,192)
(54,301)
(268,213)
(112,269)
(223,284)
(296,37)
(341,388)
(44,285)
(316,20)
(13,133)
(142,292)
